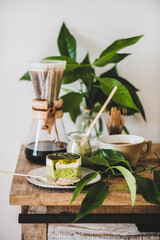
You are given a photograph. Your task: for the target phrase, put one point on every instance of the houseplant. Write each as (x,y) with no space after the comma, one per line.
(94,89)
(93,92)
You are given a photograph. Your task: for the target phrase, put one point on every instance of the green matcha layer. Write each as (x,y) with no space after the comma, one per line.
(63,165)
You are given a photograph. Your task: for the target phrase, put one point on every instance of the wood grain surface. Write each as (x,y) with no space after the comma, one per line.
(98,232)
(76,231)
(34,232)
(26,194)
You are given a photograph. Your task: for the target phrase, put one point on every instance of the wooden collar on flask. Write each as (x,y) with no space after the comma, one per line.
(40,108)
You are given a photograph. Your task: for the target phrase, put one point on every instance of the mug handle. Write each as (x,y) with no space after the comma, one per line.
(148,151)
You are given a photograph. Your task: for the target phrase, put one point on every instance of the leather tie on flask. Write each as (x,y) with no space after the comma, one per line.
(49,115)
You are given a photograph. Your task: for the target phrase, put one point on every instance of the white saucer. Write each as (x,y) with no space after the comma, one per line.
(42,172)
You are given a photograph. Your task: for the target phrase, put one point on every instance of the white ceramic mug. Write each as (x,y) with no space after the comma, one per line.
(130,146)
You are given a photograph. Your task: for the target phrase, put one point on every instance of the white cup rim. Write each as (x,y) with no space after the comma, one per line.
(126,139)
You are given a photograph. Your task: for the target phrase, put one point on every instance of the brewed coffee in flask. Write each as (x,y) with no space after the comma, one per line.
(47,133)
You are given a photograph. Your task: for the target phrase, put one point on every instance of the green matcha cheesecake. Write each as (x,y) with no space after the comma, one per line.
(63,166)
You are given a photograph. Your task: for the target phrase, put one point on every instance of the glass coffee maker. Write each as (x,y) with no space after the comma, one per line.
(47,134)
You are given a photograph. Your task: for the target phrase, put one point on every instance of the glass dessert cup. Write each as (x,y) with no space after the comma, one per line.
(83,122)
(79,143)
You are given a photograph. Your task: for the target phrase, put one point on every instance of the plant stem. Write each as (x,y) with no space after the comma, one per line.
(81,90)
(146,169)
(140,170)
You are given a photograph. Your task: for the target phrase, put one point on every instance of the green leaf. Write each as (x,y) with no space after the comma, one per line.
(121,96)
(110,58)
(75,113)
(82,183)
(69,77)
(148,189)
(94,199)
(113,157)
(100,95)
(120,44)
(98,160)
(110,55)
(67,90)
(66,43)
(97,108)
(71,101)
(137,102)
(91,97)
(71,64)
(157,178)
(100,127)
(26,77)
(85,72)
(130,179)
(85,161)
(112,73)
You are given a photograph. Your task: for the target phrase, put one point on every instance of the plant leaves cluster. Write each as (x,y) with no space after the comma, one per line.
(95,89)
(115,165)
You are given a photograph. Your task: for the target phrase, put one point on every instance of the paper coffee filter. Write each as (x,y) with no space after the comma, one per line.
(57,65)
(46,77)
(50,64)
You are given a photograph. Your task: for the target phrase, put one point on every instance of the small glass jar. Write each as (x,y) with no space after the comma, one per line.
(79,143)
(83,122)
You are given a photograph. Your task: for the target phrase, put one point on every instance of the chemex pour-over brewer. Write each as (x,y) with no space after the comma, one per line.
(47,134)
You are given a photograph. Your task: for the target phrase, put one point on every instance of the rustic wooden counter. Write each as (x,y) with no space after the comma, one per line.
(45,213)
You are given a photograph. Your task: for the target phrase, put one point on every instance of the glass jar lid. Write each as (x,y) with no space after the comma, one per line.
(79,136)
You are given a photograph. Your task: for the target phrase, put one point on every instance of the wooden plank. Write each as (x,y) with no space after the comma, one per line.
(98,232)
(33,209)
(24,193)
(34,231)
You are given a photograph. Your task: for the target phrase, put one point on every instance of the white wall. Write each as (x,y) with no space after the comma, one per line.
(29,30)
